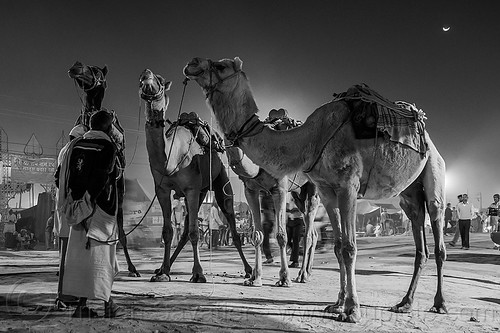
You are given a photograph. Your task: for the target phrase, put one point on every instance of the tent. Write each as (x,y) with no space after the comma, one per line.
(391,218)
(365,212)
(135,212)
(365,207)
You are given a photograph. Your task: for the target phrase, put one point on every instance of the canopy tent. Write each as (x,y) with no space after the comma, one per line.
(389,208)
(135,206)
(365,212)
(365,207)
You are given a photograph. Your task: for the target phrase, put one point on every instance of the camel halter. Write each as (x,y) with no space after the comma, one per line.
(153,97)
(212,87)
(98,80)
(252,126)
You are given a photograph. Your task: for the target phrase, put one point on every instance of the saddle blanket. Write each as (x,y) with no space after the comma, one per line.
(401,121)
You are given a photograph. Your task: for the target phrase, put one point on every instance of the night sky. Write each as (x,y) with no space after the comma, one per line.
(295,53)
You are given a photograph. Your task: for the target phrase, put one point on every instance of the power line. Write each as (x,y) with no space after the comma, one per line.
(33,116)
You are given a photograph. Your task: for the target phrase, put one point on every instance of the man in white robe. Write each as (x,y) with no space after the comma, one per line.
(89,172)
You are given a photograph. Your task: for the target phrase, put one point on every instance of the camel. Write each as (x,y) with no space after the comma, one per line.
(178,163)
(256,180)
(92,81)
(341,166)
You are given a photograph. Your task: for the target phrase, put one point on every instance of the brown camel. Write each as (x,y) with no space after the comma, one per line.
(92,81)
(179,164)
(256,181)
(342,167)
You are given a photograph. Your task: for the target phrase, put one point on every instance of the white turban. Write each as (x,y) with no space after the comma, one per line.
(78,131)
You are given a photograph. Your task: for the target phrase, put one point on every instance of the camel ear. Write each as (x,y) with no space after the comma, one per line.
(167,85)
(238,64)
(105,70)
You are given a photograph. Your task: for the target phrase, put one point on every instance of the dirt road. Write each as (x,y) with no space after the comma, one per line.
(28,284)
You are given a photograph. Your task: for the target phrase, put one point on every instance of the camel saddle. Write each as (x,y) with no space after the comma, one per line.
(372,114)
(201,131)
(280,121)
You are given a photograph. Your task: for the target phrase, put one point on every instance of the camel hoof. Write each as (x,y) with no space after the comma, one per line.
(354,317)
(439,309)
(248,272)
(303,278)
(401,308)
(160,278)
(335,308)
(283,283)
(253,283)
(198,278)
(134,274)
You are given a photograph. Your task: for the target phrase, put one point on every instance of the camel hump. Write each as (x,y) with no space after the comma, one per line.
(201,131)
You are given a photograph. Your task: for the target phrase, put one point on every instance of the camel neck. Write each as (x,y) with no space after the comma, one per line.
(278,152)
(155,145)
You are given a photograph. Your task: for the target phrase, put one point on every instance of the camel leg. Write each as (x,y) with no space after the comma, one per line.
(347,207)
(182,240)
(121,233)
(279,198)
(224,198)
(413,204)
(163,273)
(307,202)
(185,233)
(329,199)
(123,241)
(193,205)
(252,197)
(434,185)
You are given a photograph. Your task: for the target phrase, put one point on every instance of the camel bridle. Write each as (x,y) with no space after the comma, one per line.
(212,71)
(158,120)
(98,78)
(251,124)
(153,97)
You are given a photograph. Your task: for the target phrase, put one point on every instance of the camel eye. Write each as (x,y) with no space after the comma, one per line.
(219,67)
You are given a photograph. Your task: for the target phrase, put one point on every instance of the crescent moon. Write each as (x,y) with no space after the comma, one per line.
(446,29)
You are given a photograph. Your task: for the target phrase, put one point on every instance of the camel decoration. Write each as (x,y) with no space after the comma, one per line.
(92,81)
(256,180)
(179,164)
(341,166)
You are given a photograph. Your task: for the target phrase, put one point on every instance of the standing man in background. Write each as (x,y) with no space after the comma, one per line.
(448,213)
(493,210)
(457,229)
(49,232)
(215,222)
(268,218)
(465,212)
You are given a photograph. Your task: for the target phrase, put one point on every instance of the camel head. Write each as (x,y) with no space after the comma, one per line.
(153,90)
(210,74)
(88,77)
(227,90)
(92,80)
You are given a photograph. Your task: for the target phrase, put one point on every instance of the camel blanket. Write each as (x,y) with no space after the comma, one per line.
(400,121)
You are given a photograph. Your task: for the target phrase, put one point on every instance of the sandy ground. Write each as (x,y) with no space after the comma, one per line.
(28,283)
